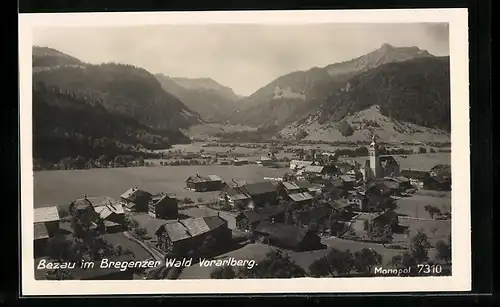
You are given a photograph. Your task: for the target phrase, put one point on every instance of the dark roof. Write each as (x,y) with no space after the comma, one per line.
(40,231)
(158,198)
(184,229)
(134,194)
(318,213)
(251,215)
(287,235)
(384,160)
(260,188)
(387,214)
(304,184)
(414,174)
(208,178)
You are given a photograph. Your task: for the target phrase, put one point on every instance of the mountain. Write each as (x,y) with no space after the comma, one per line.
(360,126)
(399,101)
(48,57)
(69,124)
(122,89)
(302,93)
(213,101)
(415,91)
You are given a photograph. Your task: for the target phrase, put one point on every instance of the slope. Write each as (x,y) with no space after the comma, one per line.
(360,126)
(214,102)
(300,94)
(415,91)
(69,124)
(123,89)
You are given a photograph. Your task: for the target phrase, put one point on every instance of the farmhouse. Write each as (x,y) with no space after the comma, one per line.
(301,199)
(135,199)
(299,164)
(288,236)
(438,182)
(382,187)
(249,219)
(240,161)
(315,218)
(299,186)
(187,237)
(262,193)
(347,181)
(235,197)
(113,216)
(163,206)
(46,225)
(416,177)
(204,183)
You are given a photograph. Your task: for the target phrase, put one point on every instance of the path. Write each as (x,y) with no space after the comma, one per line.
(155,253)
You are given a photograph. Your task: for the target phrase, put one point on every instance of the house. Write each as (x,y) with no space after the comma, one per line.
(416,177)
(358,201)
(382,187)
(49,217)
(240,161)
(404,182)
(204,183)
(298,186)
(295,165)
(189,237)
(386,217)
(319,170)
(249,219)
(380,203)
(262,193)
(268,160)
(235,196)
(163,206)
(113,216)
(438,182)
(136,199)
(317,218)
(301,199)
(347,181)
(288,236)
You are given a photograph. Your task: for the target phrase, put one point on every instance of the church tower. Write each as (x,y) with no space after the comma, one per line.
(374,158)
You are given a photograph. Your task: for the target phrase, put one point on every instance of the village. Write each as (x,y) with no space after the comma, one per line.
(323,205)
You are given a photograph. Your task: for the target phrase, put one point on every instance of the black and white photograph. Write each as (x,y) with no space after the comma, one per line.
(189,148)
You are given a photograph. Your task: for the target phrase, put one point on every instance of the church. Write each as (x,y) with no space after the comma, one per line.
(379,166)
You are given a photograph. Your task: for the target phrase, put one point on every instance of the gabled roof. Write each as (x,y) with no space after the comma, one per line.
(296,164)
(251,215)
(134,194)
(158,198)
(298,197)
(346,178)
(106,210)
(40,231)
(287,235)
(184,229)
(314,169)
(46,214)
(386,160)
(208,178)
(259,188)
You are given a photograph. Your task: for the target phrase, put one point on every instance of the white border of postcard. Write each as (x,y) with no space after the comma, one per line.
(461,254)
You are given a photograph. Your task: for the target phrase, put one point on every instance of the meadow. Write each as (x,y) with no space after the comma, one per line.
(63,186)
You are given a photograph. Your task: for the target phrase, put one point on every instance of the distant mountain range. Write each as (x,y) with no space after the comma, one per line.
(213,101)
(409,86)
(298,95)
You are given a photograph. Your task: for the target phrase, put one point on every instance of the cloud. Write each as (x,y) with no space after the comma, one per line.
(243,57)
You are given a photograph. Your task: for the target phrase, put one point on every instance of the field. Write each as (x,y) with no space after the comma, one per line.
(61,187)
(417,161)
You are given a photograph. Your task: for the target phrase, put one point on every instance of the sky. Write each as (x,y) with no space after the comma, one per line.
(242,57)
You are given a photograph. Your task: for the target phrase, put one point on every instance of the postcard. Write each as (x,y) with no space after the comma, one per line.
(245,152)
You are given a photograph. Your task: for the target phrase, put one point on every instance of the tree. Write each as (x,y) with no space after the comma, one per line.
(276,264)
(419,247)
(79,162)
(335,263)
(443,251)
(345,129)
(366,259)
(381,234)
(226,272)
(140,161)
(432,210)
(404,260)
